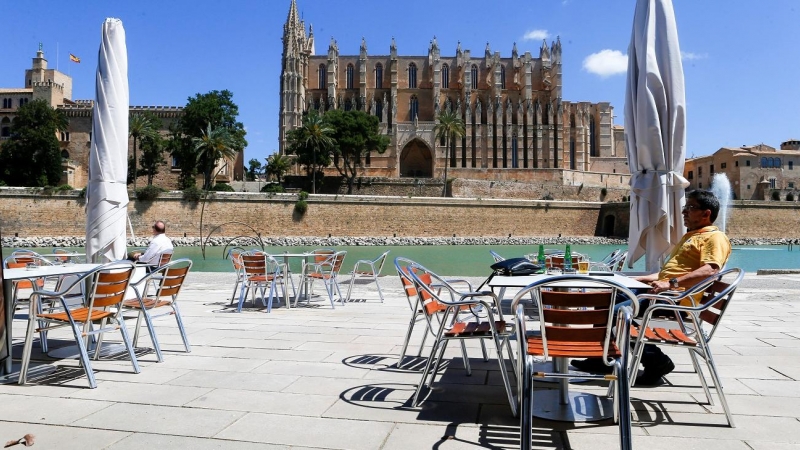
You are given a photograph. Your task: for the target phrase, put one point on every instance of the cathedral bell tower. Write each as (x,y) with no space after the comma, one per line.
(297,47)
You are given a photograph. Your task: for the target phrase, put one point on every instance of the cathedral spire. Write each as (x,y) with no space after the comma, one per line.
(292,18)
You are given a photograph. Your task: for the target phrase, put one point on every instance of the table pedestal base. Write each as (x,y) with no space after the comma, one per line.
(582,407)
(34,372)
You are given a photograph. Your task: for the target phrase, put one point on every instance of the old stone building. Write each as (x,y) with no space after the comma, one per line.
(56,88)
(517,124)
(755,172)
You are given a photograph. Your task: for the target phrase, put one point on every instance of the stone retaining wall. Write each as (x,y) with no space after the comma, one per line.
(30,214)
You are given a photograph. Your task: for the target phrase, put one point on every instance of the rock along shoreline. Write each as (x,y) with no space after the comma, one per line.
(71,241)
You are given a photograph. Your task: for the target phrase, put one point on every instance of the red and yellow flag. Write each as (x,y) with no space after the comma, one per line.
(74,58)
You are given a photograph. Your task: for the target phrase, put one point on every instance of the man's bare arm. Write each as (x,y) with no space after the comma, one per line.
(687,280)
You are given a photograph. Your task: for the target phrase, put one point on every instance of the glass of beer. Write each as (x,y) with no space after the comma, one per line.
(583,266)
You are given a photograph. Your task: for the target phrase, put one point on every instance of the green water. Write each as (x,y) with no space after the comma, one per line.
(474,260)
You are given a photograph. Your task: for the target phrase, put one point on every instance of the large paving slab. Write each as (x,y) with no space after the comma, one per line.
(314,377)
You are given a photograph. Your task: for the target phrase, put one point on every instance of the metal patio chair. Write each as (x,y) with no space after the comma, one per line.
(435,293)
(261,271)
(690,327)
(326,269)
(106,286)
(366,268)
(166,282)
(573,324)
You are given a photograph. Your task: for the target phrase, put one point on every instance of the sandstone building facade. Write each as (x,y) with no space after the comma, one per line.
(56,88)
(755,172)
(517,124)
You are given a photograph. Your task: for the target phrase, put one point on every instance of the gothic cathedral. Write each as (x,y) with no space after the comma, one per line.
(515,119)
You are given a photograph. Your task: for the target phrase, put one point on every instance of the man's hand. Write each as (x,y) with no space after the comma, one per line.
(660,286)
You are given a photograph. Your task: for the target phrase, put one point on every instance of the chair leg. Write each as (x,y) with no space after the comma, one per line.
(26,350)
(84,356)
(504,373)
(437,352)
(699,373)
(483,350)
(718,384)
(526,408)
(125,338)
(181,328)
(152,330)
(378,286)
(235,288)
(137,328)
(422,344)
(407,339)
(466,357)
(350,289)
(245,286)
(623,401)
(99,342)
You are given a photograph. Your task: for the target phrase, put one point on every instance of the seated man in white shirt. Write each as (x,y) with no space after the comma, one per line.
(158,245)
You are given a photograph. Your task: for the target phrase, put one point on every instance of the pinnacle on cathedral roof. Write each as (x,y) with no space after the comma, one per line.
(292,17)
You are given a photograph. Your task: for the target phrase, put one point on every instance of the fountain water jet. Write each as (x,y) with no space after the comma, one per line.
(721,187)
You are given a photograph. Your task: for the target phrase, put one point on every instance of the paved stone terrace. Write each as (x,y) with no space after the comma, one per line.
(313,377)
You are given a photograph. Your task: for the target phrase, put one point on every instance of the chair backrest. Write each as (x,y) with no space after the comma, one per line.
(557,261)
(171,277)
(717,297)
(337,260)
(611,256)
(109,283)
(254,263)
(619,263)
(164,258)
(322,254)
(236,258)
(61,251)
(22,284)
(379,262)
(576,322)
(404,268)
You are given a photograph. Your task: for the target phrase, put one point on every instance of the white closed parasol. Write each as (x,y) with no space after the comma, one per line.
(655,133)
(107,192)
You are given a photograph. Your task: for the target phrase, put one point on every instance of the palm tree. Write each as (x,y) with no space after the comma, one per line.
(139,127)
(212,145)
(314,135)
(277,165)
(450,127)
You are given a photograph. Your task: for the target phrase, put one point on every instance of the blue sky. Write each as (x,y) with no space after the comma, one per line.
(740,57)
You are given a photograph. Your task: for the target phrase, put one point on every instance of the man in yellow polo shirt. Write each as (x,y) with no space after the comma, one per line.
(701,253)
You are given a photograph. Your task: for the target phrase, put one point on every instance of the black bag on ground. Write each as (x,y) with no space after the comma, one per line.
(515,267)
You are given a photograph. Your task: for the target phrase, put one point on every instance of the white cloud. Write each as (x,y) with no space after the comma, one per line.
(535,35)
(689,56)
(606,63)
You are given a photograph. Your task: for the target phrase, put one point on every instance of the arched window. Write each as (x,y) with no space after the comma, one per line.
(412,76)
(349,76)
(379,76)
(572,120)
(474,72)
(764,162)
(445,76)
(5,132)
(379,109)
(414,107)
(502,77)
(323,75)
(777,163)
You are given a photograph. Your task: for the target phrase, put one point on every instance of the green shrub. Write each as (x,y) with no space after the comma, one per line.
(192,194)
(776,195)
(148,193)
(603,192)
(223,187)
(302,195)
(82,193)
(273,187)
(64,187)
(301,207)
(789,197)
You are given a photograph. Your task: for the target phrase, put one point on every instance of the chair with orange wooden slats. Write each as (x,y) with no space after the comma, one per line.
(325,268)
(667,322)
(574,324)
(435,293)
(105,292)
(166,282)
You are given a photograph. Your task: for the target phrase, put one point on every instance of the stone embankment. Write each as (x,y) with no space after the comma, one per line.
(17,242)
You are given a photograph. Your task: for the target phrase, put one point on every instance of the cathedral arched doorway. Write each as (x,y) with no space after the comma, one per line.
(416,160)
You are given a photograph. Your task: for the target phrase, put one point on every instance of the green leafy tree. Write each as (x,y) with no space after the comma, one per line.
(152,156)
(31,156)
(312,143)
(215,109)
(277,166)
(355,133)
(450,127)
(212,145)
(185,159)
(141,126)
(254,169)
